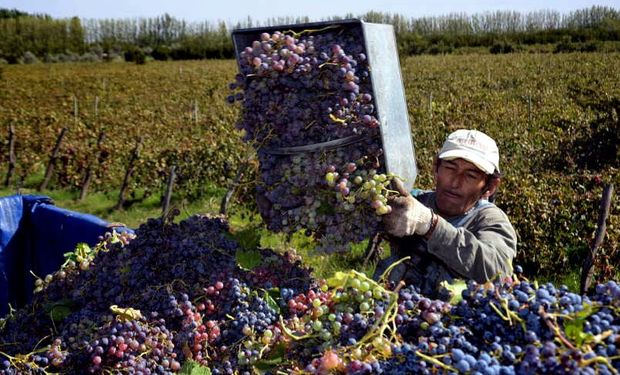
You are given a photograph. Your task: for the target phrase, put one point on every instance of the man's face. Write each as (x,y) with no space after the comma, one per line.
(459,185)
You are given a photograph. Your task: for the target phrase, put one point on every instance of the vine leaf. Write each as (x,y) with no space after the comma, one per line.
(455,289)
(574,328)
(276,357)
(248,259)
(194,368)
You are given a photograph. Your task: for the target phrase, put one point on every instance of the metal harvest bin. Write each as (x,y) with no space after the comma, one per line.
(387,86)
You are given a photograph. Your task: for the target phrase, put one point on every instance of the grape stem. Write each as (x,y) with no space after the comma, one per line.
(548,319)
(598,359)
(385,273)
(309,31)
(434,361)
(23,359)
(291,334)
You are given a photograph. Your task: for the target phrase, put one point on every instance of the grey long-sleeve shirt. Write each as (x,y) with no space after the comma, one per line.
(478,245)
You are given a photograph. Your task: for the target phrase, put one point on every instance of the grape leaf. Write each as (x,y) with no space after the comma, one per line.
(574,331)
(455,289)
(338,280)
(194,368)
(271,302)
(248,259)
(248,239)
(574,328)
(81,249)
(275,357)
(59,310)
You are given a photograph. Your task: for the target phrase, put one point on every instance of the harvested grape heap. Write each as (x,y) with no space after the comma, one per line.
(174,299)
(308,110)
(146,304)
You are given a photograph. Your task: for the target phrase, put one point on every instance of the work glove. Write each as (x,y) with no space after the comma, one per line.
(408,216)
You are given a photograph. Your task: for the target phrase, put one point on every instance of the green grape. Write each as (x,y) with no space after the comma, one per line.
(336,327)
(377,293)
(364,286)
(317,325)
(325,335)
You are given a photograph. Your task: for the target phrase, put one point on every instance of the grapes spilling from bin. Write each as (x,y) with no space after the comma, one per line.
(308,110)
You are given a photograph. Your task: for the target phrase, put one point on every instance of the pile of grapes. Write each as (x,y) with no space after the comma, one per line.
(148,303)
(309,112)
(175,299)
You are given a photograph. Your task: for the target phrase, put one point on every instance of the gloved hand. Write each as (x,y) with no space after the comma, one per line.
(408,216)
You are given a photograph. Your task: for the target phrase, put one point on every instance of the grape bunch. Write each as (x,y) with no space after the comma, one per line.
(132,344)
(173,300)
(308,110)
(510,327)
(175,287)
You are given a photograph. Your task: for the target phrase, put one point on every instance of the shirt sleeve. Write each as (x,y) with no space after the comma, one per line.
(480,251)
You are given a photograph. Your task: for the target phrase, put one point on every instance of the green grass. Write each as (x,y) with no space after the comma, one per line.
(102,205)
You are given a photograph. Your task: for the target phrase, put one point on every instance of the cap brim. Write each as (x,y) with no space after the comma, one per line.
(482,164)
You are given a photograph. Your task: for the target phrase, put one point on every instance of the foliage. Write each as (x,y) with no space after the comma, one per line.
(555,117)
(136,55)
(179,110)
(165,37)
(502,47)
(555,120)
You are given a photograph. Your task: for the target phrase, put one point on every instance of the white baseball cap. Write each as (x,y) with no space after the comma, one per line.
(473,146)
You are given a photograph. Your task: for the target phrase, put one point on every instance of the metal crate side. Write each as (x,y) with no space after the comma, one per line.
(391,105)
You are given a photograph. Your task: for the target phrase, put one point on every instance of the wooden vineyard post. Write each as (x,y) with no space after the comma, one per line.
(50,166)
(233,187)
(135,154)
(168,195)
(588,265)
(529,110)
(12,161)
(88,176)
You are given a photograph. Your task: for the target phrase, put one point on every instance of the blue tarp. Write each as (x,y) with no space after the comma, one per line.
(34,235)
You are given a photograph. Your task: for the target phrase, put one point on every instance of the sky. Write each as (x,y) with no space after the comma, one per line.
(231,11)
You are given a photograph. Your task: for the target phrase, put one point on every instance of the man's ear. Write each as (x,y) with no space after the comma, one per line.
(491,188)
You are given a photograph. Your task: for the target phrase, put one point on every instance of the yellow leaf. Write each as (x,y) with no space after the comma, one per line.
(126,313)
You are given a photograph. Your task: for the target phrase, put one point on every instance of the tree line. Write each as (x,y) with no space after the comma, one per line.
(29,37)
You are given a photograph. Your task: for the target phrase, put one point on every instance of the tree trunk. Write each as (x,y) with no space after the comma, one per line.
(588,265)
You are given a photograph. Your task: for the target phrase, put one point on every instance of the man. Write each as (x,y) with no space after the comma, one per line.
(453,232)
